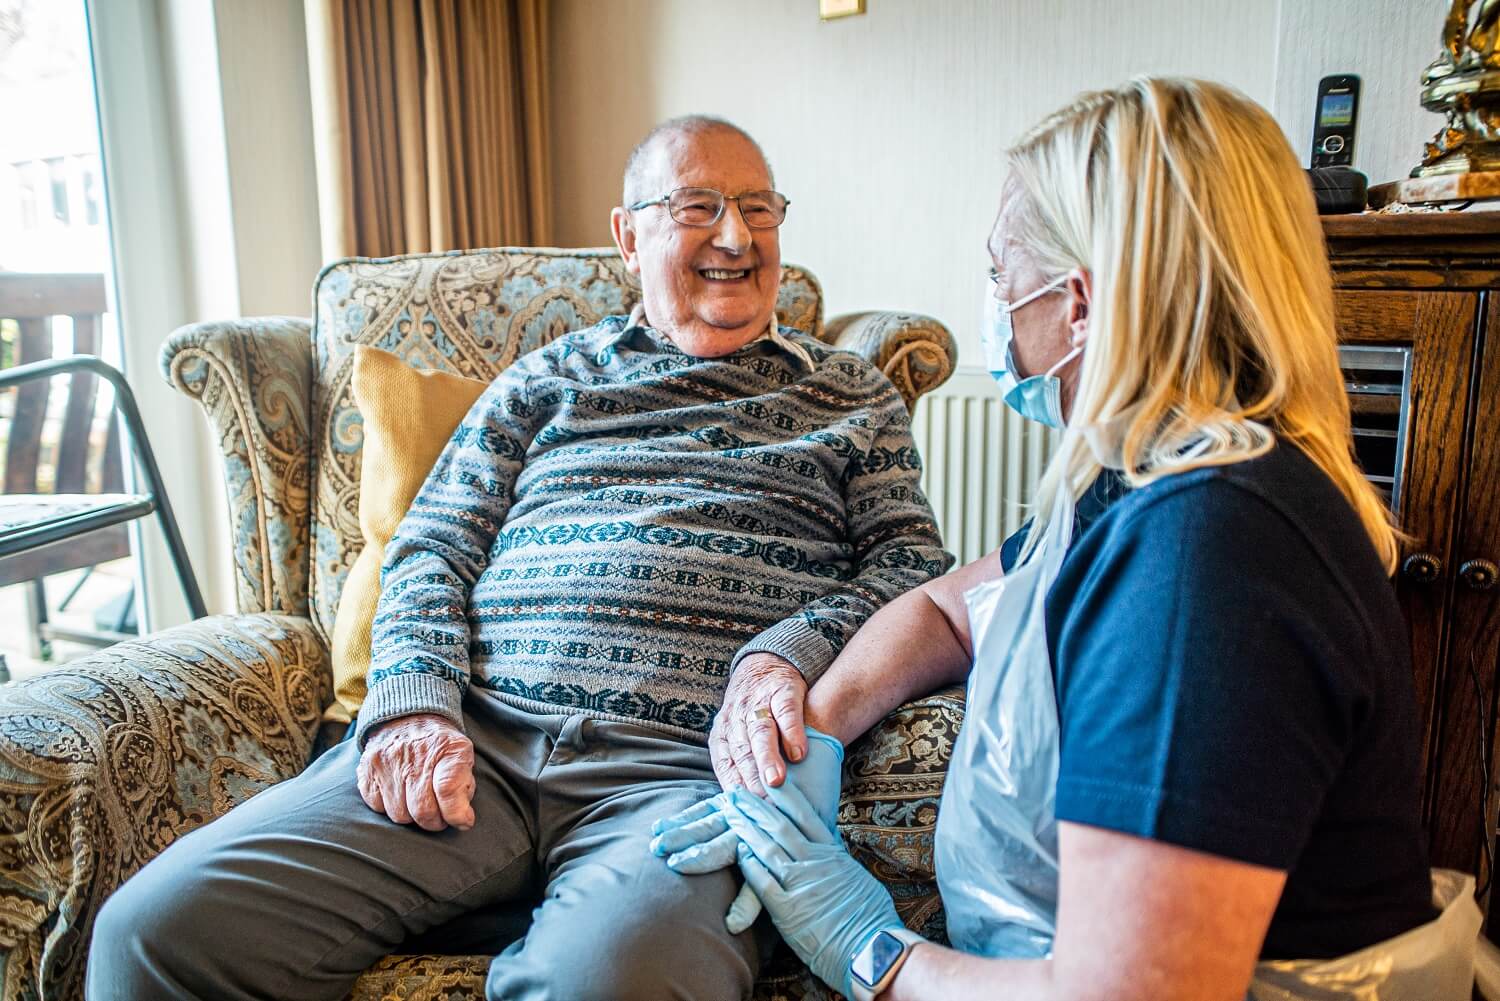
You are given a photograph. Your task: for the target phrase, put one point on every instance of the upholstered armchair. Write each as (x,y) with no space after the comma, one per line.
(104,762)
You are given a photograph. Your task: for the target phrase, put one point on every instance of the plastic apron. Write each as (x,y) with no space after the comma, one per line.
(996,839)
(1432,962)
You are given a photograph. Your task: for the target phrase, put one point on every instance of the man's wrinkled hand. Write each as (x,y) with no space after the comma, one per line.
(761,716)
(419,769)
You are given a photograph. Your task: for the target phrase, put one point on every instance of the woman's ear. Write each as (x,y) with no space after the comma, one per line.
(623,229)
(1080,287)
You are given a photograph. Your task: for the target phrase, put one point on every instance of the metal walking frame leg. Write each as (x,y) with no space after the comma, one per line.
(125,400)
(83,578)
(36,614)
(126,405)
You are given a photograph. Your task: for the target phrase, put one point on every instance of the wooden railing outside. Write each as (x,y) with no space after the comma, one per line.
(62,449)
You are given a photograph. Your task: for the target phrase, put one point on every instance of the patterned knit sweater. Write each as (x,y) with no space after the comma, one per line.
(615,523)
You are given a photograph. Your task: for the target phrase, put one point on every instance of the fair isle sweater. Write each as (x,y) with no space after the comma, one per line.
(616,523)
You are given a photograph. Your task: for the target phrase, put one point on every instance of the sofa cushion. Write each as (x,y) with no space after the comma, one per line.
(470,313)
(408,415)
(107,760)
(461,978)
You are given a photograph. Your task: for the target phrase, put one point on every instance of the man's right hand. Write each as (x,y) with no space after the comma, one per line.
(419,769)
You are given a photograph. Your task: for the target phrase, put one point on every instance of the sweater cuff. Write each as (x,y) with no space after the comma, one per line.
(793,640)
(406,695)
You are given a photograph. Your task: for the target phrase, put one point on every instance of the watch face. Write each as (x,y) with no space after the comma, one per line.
(874,960)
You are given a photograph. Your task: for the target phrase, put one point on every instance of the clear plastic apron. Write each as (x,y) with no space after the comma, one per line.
(1432,962)
(996,839)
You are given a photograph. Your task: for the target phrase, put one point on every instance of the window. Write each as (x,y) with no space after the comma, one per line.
(57,178)
(89,168)
(55,256)
(27,195)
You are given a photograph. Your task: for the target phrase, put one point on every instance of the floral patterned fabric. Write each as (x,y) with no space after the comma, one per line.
(917,353)
(254,379)
(105,762)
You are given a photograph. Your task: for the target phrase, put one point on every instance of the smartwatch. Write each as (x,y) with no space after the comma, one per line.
(875,965)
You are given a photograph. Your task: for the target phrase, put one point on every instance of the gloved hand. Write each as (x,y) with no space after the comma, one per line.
(825,904)
(698,839)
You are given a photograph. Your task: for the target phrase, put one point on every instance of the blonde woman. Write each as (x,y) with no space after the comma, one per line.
(1190,755)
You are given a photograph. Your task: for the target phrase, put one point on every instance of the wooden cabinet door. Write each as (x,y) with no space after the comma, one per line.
(1439,328)
(1464,806)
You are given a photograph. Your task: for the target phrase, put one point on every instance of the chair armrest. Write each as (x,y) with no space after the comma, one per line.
(916,352)
(105,762)
(893,779)
(253,378)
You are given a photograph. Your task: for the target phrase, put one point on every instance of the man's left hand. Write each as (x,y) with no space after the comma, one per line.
(762,712)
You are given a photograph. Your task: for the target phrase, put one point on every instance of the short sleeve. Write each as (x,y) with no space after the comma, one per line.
(1204,697)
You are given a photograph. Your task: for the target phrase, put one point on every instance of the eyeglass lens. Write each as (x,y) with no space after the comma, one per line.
(703,206)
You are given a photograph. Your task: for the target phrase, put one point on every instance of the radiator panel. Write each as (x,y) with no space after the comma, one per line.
(981,462)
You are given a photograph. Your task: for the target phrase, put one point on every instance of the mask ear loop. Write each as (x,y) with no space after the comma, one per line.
(1006,309)
(1076,340)
(1011,307)
(1077,350)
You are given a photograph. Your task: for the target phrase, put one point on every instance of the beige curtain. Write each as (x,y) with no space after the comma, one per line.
(430,123)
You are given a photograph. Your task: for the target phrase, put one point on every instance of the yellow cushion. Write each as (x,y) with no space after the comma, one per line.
(409,415)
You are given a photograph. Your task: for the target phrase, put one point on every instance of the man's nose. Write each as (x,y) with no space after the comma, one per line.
(731,235)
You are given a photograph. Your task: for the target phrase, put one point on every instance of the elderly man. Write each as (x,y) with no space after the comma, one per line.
(635,526)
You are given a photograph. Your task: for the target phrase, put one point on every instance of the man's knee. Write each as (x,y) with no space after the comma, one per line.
(143,930)
(624,969)
(660,946)
(181,929)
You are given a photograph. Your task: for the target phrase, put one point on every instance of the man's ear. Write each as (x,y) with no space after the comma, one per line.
(623,228)
(1080,288)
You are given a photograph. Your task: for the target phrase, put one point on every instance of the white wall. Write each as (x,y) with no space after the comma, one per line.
(1388,43)
(886,130)
(262,47)
(195,157)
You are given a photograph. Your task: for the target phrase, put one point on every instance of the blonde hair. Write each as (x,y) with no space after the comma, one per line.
(1210,326)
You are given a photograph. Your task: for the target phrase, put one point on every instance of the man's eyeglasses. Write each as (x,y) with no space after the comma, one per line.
(705,206)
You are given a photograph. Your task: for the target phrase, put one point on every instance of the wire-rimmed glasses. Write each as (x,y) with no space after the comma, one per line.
(705,206)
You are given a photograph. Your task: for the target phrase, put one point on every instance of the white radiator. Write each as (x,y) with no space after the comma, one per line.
(981,462)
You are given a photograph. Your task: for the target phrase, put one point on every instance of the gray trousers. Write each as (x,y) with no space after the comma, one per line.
(296,892)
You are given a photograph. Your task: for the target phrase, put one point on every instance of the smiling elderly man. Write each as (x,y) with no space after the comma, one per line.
(635,526)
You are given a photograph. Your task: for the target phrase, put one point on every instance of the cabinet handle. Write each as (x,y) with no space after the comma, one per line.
(1480,575)
(1422,568)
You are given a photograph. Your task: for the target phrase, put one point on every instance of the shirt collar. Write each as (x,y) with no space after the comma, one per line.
(637,320)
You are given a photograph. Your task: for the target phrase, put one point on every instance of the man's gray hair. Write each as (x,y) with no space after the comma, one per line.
(638,164)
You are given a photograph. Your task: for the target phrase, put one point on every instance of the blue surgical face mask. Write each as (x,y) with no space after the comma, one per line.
(1038,397)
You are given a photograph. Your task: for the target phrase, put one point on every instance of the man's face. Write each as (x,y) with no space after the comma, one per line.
(711,289)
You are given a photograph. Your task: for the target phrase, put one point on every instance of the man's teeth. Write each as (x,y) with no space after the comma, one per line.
(719,274)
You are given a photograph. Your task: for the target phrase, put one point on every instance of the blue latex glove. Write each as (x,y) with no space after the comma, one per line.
(825,904)
(698,839)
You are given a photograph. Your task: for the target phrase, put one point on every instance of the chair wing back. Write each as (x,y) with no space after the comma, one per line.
(468,312)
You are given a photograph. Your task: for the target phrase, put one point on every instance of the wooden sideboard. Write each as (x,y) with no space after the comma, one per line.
(1431,282)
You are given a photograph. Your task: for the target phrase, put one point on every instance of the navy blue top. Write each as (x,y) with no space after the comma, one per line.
(1233,676)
